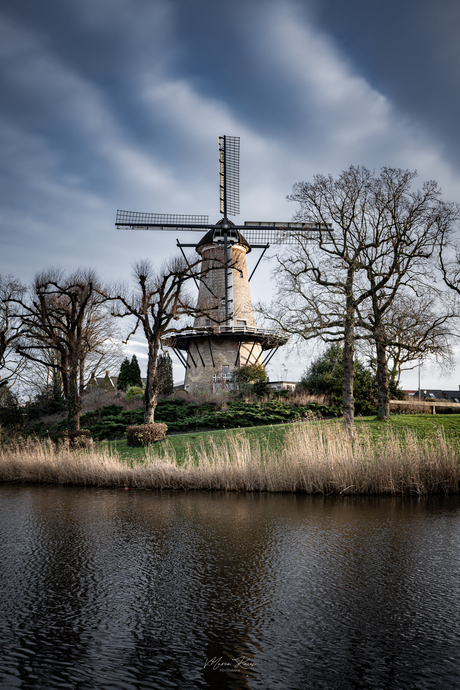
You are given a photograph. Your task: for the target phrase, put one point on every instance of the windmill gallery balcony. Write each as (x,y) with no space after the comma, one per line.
(214,353)
(269,339)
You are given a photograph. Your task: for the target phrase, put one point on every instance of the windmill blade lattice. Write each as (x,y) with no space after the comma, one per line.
(160,221)
(229,169)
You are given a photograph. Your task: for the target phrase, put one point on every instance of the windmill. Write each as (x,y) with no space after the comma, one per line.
(215,347)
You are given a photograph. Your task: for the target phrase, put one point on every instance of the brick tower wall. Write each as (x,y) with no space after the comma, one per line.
(205,372)
(224,353)
(211,295)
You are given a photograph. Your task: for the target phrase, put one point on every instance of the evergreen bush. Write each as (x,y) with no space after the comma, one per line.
(123,375)
(135,372)
(130,374)
(134,393)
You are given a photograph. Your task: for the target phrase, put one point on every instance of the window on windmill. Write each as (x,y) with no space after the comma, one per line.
(226,375)
(223,301)
(241,274)
(240,323)
(208,323)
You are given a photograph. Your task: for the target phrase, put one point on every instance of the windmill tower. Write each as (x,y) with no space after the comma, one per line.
(225,337)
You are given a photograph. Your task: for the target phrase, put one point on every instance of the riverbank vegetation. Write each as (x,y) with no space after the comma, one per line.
(308,457)
(107,415)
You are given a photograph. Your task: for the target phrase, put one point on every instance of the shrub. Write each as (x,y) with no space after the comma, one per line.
(11,414)
(134,393)
(80,439)
(132,416)
(364,407)
(74,439)
(143,434)
(110,427)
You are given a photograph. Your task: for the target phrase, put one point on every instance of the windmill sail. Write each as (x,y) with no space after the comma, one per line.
(229,174)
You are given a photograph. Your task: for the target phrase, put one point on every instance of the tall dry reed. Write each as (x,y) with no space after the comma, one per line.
(316,458)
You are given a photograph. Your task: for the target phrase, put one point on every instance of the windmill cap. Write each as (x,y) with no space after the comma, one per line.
(216,236)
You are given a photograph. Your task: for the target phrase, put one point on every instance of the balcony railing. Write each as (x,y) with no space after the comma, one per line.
(222,330)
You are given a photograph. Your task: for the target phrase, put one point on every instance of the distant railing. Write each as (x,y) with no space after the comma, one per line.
(429,404)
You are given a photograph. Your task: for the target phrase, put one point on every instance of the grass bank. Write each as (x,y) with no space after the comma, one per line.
(271,438)
(308,457)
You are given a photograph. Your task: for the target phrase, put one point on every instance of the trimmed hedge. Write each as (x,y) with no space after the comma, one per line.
(143,434)
(80,439)
(75,439)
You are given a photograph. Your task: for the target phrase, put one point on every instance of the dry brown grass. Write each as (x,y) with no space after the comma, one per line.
(317,458)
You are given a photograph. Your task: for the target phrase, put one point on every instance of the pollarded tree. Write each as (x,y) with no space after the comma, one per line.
(377,239)
(158,304)
(11,329)
(252,378)
(53,319)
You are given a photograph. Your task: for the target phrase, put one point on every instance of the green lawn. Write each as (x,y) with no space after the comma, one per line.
(422,425)
(271,435)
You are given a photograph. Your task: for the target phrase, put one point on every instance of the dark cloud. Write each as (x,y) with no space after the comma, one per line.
(409,50)
(112,104)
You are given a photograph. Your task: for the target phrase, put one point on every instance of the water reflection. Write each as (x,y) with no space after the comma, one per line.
(124,589)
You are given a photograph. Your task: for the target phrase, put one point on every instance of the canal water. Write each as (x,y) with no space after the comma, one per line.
(126,589)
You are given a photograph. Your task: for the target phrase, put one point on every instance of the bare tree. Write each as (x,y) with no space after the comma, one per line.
(449,246)
(54,318)
(102,348)
(11,329)
(406,231)
(416,327)
(381,240)
(158,304)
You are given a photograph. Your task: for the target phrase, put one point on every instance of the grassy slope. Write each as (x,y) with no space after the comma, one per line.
(422,425)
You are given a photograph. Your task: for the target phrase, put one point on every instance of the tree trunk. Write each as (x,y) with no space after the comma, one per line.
(383,381)
(73,406)
(73,398)
(81,377)
(348,380)
(151,386)
(349,358)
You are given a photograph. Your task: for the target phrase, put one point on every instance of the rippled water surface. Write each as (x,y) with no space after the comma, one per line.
(124,589)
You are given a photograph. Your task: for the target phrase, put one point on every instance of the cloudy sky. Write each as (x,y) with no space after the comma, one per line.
(110,104)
